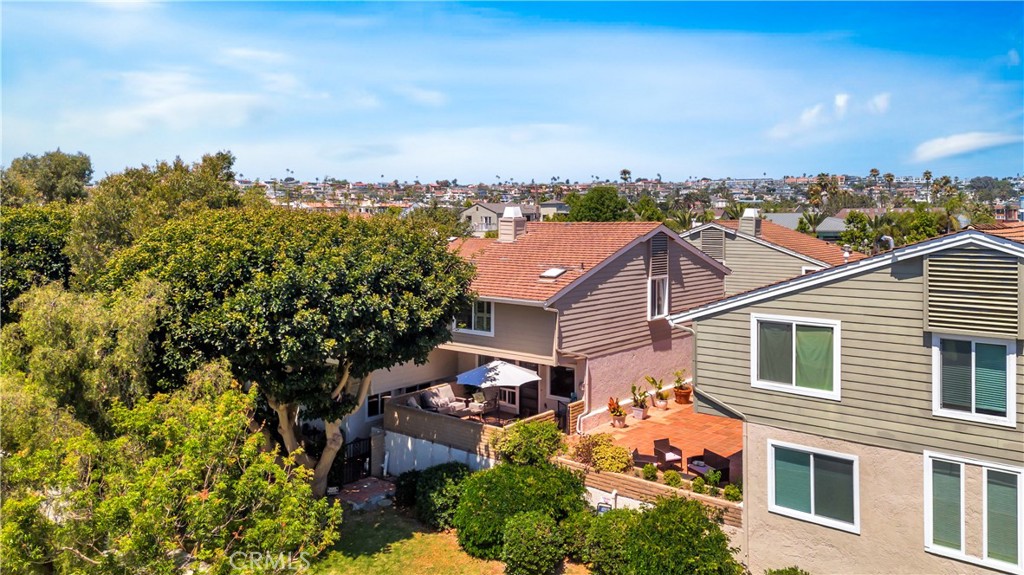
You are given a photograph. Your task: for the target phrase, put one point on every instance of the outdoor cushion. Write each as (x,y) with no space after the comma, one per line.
(413,402)
(479,397)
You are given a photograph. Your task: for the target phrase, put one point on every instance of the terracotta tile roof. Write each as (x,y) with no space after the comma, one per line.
(800,243)
(512,270)
(1009,230)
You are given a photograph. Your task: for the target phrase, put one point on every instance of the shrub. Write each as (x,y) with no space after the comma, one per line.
(574,533)
(605,547)
(732,493)
(650,472)
(437,493)
(794,570)
(698,486)
(529,443)
(492,496)
(405,488)
(672,478)
(583,449)
(679,535)
(533,545)
(712,478)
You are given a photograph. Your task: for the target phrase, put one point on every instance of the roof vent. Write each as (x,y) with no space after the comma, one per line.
(552,273)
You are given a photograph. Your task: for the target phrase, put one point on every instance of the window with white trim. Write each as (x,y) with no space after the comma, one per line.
(947,496)
(375,404)
(974,379)
(814,485)
(478,319)
(657,297)
(796,355)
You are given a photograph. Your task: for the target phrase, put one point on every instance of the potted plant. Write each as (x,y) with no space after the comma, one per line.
(660,396)
(618,414)
(639,402)
(682,389)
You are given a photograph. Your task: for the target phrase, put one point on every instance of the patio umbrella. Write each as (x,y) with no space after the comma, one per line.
(497,373)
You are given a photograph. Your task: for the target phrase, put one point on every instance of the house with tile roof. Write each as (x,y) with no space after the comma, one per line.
(483,216)
(582,304)
(882,404)
(760,252)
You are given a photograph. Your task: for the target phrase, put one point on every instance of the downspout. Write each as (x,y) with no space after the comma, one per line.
(578,356)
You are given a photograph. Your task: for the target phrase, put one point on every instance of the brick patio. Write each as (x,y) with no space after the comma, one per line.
(689,431)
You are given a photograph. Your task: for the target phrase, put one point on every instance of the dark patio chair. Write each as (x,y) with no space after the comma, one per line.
(667,454)
(639,460)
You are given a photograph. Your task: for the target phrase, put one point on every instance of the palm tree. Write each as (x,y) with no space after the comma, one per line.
(927,175)
(625,175)
(733,211)
(708,215)
(889,179)
(812,219)
(680,220)
(873,174)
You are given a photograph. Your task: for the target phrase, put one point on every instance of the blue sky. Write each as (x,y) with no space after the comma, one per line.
(526,91)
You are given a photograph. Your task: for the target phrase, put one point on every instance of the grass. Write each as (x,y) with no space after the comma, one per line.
(392,542)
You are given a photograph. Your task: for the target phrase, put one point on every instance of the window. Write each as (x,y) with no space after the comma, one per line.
(946,498)
(478,319)
(814,485)
(657,297)
(509,397)
(375,404)
(562,382)
(973,379)
(796,355)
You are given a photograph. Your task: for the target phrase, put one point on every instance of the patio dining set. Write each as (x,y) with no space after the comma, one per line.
(666,456)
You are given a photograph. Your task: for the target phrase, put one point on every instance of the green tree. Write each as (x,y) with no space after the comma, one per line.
(680,220)
(889,179)
(708,215)
(436,217)
(32,241)
(646,209)
(927,175)
(54,176)
(183,486)
(810,221)
(599,204)
(680,536)
(733,211)
(127,205)
(625,175)
(307,305)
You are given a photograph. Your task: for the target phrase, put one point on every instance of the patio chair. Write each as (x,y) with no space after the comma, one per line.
(666,454)
(483,401)
(709,461)
(639,460)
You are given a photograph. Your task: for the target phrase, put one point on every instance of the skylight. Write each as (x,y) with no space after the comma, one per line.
(552,273)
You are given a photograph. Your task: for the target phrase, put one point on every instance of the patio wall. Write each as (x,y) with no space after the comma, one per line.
(575,409)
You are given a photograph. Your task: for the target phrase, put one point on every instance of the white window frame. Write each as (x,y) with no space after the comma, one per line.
(1010,419)
(961,555)
(504,393)
(810,517)
(651,283)
(472,318)
(836,325)
(380,400)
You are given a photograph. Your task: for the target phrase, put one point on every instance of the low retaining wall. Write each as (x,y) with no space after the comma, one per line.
(405,453)
(575,409)
(642,490)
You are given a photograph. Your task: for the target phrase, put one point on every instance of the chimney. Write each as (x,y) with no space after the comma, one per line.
(511,225)
(750,223)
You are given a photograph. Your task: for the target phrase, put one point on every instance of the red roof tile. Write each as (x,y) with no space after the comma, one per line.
(512,270)
(1009,230)
(800,243)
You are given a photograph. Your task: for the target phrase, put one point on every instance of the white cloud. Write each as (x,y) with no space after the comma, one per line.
(158,84)
(810,119)
(879,103)
(423,96)
(842,102)
(252,56)
(1013,57)
(959,144)
(178,112)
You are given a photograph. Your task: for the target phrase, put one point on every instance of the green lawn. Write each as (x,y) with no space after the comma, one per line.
(391,542)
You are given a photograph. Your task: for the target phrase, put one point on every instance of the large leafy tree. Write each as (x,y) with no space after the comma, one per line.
(32,241)
(305,305)
(126,205)
(183,486)
(54,176)
(599,204)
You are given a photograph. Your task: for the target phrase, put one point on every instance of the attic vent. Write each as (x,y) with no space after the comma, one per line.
(712,242)
(973,292)
(659,255)
(552,273)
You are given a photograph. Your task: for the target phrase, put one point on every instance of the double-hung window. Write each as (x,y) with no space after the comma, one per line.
(657,297)
(796,355)
(375,404)
(478,319)
(949,494)
(814,485)
(974,379)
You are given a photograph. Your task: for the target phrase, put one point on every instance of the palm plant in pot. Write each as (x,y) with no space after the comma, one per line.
(682,389)
(660,396)
(639,401)
(618,414)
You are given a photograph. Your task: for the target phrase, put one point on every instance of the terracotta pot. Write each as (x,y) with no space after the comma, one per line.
(619,420)
(683,395)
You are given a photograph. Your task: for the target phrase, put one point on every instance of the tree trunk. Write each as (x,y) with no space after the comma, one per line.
(335,441)
(286,413)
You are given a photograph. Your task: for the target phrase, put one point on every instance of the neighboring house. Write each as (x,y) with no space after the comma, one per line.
(483,216)
(582,304)
(760,252)
(883,410)
(827,230)
(551,208)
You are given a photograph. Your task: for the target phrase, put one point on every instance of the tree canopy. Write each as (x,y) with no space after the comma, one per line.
(599,204)
(32,241)
(54,176)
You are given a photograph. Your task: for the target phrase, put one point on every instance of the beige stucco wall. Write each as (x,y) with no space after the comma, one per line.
(891,538)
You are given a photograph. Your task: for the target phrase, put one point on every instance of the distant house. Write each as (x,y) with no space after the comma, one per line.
(483,216)
(827,230)
(882,404)
(760,252)
(552,208)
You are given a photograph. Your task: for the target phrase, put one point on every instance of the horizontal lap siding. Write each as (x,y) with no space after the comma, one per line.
(523,329)
(886,371)
(608,311)
(754,265)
